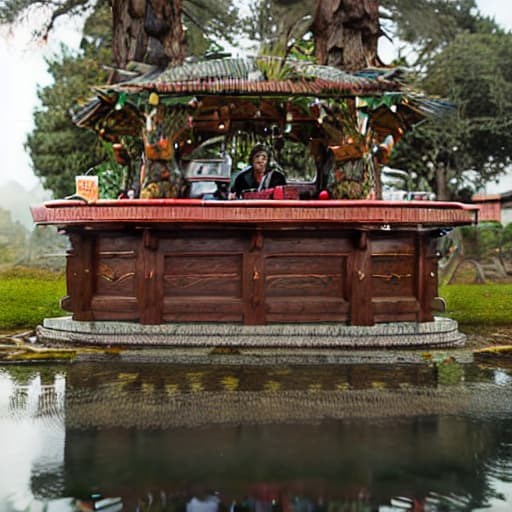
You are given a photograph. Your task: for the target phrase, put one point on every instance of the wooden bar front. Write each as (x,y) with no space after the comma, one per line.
(252,262)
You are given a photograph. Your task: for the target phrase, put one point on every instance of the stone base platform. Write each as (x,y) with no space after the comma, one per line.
(441,333)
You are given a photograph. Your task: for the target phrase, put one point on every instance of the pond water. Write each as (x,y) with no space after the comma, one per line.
(150,437)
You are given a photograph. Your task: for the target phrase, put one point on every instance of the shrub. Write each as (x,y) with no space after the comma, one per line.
(478,303)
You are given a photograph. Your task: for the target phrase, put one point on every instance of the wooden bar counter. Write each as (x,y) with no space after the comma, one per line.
(253,262)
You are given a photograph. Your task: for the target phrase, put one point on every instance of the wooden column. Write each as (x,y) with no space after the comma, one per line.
(427,276)
(80,274)
(253,282)
(150,287)
(359,275)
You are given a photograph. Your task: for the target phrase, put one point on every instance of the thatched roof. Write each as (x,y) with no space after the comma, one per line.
(115,109)
(259,75)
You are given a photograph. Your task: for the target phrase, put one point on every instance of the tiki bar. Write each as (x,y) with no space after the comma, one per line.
(198,249)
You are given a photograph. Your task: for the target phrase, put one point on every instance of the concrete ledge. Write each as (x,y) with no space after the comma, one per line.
(442,332)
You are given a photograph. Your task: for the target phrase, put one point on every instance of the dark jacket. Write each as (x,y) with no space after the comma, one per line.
(245,181)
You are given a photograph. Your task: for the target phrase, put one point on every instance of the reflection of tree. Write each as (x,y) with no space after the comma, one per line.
(347,462)
(499,466)
(33,435)
(37,399)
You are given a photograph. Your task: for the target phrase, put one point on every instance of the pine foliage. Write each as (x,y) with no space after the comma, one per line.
(60,150)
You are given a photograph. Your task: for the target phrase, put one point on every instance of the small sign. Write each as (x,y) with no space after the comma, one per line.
(87,188)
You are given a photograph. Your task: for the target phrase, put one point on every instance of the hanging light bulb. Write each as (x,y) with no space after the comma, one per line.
(154,99)
(121,100)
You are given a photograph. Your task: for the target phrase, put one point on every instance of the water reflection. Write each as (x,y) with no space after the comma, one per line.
(32,436)
(255,439)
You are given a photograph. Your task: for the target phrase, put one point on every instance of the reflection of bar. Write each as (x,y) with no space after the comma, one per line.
(166,396)
(149,410)
(335,458)
(336,432)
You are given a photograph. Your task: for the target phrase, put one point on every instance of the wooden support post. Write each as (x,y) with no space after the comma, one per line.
(150,287)
(427,276)
(80,275)
(360,276)
(254,282)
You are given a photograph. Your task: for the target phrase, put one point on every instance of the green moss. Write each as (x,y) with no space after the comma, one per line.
(225,350)
(47,355)
(505,350)
(473,304)
(449,372)
(27,296)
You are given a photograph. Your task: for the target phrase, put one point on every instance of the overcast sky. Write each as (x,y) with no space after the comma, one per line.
(23,69)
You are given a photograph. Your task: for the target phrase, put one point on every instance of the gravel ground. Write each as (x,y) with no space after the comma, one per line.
(482,336)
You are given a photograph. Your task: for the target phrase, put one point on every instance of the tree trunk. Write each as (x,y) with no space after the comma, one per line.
(346,33)
(441,185)
(148,31)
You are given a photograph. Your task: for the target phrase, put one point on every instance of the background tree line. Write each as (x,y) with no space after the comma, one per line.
(452,52)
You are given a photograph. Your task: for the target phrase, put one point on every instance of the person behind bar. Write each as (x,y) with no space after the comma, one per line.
(259,175)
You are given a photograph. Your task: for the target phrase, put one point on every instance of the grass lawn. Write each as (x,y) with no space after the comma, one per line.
(473,304)
(27,296)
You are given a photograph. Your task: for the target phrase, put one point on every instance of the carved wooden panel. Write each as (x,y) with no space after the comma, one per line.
(393,243)
(305,276)
(218,240)
(393,276)
(203,275)
(202,310)
(115,260)
(393,271)
(395,309)
(115,275)
(308,241)
(108,307)
(306,309)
